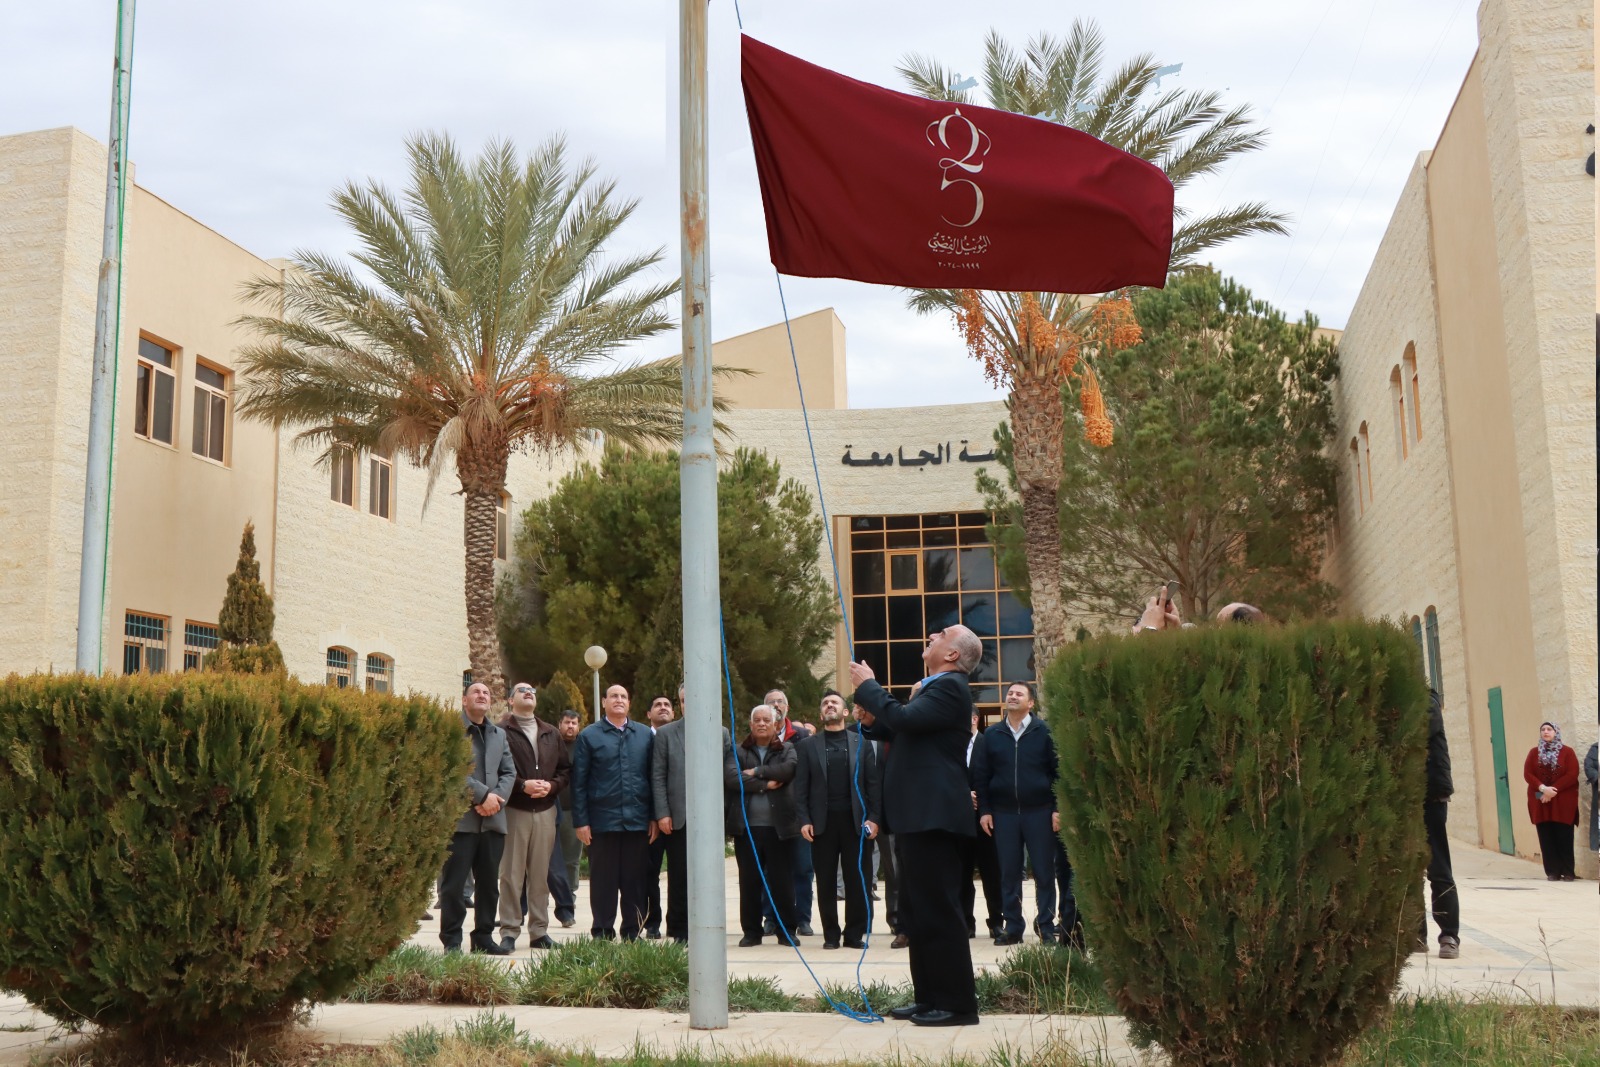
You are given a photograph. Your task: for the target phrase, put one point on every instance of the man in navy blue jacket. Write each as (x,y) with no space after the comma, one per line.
(1014,772)
(611,813)
(927,801)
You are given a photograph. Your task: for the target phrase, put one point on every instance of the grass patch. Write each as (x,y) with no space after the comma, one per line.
(1448,1032)
(606,974)
(412,974)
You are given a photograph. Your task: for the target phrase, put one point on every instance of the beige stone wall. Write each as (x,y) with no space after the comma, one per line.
(1395,556)
(178,516)
(819,347)
(349,578)
(52,202)
(884,490)
(1538,92)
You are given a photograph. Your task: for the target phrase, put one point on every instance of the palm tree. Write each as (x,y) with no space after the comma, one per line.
(1031,343)
(472,328)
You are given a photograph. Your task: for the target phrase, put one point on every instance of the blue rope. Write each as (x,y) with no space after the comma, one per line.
(867,1016)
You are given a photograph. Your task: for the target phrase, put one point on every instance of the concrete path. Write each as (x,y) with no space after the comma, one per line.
(1522,939)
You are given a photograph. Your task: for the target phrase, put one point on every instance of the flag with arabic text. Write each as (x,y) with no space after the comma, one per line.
(863,182)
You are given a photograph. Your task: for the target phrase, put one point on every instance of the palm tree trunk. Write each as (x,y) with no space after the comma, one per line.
(1036,424)
(483,479)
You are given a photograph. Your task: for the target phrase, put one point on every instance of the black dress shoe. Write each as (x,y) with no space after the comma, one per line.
(855,943)
(831,943)
(489,948)
(906,1011)
(804,930)
(509,944)
(1008,939)
(653,934)
(749,942)
(940,1017)
(543,942)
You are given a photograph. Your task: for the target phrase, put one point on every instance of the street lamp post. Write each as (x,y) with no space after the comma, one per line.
(594,657)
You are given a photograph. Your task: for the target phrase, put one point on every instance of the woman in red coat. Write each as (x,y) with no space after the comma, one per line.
(1551,770)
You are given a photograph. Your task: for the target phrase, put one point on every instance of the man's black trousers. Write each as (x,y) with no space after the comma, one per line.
(1030,829)
(983,860)
(774,853)
(677,883)
(652,882)
(479,855)
(1441,880)
(617,862)
(840,845)
(930,916)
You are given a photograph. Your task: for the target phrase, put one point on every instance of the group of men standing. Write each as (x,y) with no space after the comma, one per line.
(796,798)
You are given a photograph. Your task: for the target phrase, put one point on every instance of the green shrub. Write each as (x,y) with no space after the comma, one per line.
(1244,814)
(606,974)
(185,855)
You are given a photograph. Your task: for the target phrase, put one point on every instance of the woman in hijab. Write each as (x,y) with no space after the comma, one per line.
(1551,771)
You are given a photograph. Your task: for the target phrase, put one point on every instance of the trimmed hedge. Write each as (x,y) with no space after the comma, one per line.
(181,856)
(1243,808)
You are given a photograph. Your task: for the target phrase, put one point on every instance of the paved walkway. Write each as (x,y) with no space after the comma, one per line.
(1523,939)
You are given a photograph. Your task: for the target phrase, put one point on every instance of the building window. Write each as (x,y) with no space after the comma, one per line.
(1410,364)
(1366,457)
(210,412)
(1430,626)
(914,574)
(466,679)
(144,643)
(340,671)
(380,673)
(502,526)
(343,486)
(1397,396)
(198,639)
(1355,460)
(155,393)
(380,486)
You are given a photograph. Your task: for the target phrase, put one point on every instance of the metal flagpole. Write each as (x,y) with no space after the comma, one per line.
(702,613)
(102,391)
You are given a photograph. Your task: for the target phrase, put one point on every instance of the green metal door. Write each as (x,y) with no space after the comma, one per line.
(1502,780)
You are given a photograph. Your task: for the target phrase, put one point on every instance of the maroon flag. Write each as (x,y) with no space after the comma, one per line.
(862,182)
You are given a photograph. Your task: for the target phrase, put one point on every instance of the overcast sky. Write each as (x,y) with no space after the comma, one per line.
(247,116)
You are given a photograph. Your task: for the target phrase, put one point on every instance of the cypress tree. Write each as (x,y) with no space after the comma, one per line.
(561,694)
(245,621)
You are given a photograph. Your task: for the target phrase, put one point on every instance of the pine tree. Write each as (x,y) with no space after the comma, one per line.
(245,621)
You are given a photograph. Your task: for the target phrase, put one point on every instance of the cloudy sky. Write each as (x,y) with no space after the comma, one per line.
(247,116)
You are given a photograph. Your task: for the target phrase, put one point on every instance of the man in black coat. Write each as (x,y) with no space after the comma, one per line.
(1014,774)
(837,797)
(927,801)
(1435,808)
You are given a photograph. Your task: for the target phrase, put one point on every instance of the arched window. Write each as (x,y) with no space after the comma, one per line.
(1430,626)
(1397,397)
(1366,457)
(380,673)
(340,671)
(1409,362)
(1357,482)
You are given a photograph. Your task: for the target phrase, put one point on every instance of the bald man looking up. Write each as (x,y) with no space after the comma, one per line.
(928,803)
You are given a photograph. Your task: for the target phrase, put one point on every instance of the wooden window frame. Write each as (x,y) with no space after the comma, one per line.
(146,643)
(343,462)
(151,374)
(380,485)
(212,406)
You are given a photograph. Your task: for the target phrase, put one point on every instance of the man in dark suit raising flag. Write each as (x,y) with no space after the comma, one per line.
(927,801)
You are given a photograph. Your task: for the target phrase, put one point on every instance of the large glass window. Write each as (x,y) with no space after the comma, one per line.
(914,574)
(155,392)
(210,412)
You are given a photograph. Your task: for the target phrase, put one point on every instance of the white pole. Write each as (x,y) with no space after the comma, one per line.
(103,382)
(708,945)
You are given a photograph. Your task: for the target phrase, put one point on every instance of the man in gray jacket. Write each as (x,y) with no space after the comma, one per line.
(480,837)
(669,769)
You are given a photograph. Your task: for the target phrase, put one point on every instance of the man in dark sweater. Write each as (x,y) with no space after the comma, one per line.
(1014,774)
(567,847)
(837,796)
(542,771)
(1435,809)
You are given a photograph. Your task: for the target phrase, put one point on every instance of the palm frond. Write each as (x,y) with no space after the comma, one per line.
(930,79)
(1208,231)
